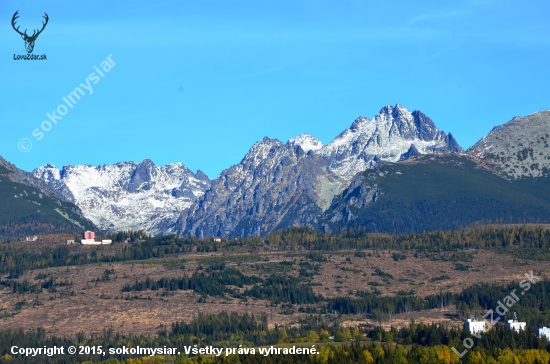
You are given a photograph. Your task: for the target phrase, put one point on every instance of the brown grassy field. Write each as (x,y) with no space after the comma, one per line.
(92,302)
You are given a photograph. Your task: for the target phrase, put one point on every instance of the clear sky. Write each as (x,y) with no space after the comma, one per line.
(199,82)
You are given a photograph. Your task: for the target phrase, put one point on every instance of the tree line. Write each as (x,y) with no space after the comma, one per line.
(275,288)
(211,284)
(532,241)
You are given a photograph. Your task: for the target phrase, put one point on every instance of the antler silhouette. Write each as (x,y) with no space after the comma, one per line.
(15,16)
(29,40)
(34,34)
(43,26)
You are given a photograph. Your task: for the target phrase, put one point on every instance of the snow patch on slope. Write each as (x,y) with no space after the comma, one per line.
(129,196)
(306,142)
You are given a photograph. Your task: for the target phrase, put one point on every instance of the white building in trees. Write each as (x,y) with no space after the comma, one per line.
(474,326)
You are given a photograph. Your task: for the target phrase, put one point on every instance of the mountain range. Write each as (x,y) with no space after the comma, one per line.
(280,185)
(128,195)
(396,172)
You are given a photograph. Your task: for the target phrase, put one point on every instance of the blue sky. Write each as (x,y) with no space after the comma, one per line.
(199,82)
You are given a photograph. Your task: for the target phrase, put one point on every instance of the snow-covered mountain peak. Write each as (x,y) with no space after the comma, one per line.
(128,195)
(389,136)
(48,172)
(147,163)
(392,113)
(262,149)
(359,123)
(389,109)
(306,142)
(266,142)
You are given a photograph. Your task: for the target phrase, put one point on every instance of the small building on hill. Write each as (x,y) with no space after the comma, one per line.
(94,242)
(515,325)
(89,242)
(473,326)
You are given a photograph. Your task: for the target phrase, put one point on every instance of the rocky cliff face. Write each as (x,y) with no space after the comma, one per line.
(275,185)
(358,196)
(279,185)
(520,148)
(129,196)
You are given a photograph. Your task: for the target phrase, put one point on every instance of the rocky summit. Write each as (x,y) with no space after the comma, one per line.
(394,134)
(519,148)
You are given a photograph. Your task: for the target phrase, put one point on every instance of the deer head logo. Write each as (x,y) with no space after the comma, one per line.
(29,39)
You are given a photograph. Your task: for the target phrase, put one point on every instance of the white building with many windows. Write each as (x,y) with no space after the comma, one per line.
(515,325)
(473,326)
